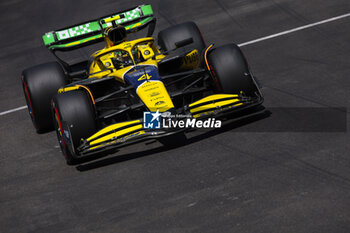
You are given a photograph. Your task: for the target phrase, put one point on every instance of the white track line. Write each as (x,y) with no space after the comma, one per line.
(13,110)
(241,45)
(294,30)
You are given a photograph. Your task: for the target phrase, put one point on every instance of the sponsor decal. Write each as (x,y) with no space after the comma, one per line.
(154,94)
(157,99)
(126,46)
(123,139)
(145,77)
(191,57)
(159,103)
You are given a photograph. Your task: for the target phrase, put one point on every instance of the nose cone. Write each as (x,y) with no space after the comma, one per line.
(149,87)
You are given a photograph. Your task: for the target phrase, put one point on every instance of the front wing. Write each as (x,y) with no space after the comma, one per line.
(129,132)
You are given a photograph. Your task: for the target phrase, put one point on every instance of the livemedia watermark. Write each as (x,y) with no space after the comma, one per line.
(157,120)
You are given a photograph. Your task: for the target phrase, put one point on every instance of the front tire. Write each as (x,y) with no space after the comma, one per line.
(230,71)
(169,36)
(40,83)
(75,120)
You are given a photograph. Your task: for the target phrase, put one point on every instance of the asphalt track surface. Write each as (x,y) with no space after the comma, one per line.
(255,177)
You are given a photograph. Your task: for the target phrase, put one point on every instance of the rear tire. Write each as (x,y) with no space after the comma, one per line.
(75,119)
(230,71)
(168,37)
(40,83)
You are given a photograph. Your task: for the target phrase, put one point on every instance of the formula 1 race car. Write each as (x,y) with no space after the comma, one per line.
(100,103)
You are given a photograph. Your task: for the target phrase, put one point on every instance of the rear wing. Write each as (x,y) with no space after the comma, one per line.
(90,32)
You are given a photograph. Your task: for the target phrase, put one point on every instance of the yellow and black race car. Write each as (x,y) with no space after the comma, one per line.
(105,102)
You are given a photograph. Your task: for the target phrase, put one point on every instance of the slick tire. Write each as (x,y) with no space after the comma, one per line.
(75,119)
(230,71)
(168,37)
(40,83)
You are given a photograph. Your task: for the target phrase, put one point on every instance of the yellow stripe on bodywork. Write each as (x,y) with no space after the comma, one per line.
(111,19)
(216,102)
(216,111)
(191,60)
(115,135)
(61,90)
(215,105)
(118,140)
(136,25)
(113,127)
(216,97)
